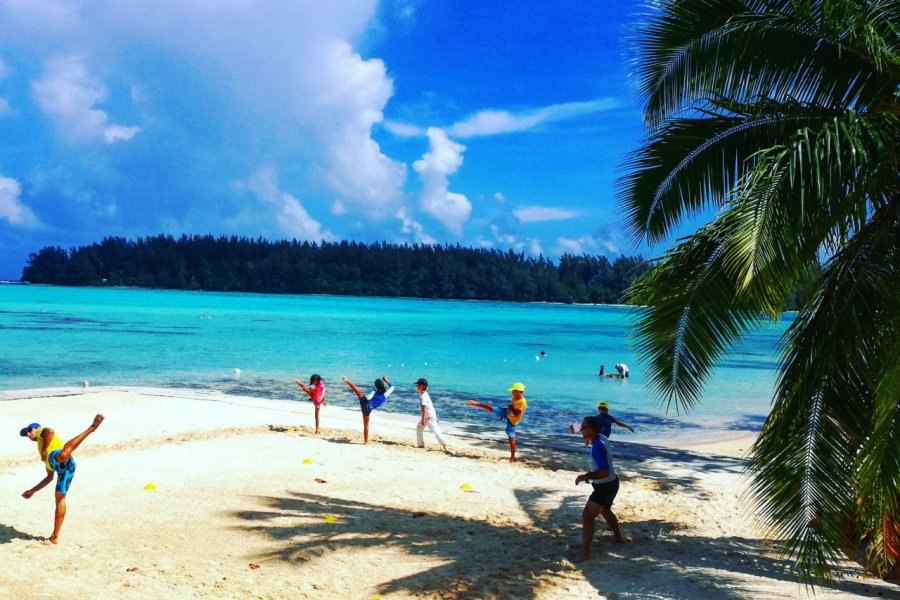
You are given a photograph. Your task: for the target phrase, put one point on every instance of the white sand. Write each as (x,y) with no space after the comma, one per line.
(386,520)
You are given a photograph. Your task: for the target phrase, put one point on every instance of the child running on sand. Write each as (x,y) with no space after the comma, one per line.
(57,458)
(512,413)
(371,401)
(316,393)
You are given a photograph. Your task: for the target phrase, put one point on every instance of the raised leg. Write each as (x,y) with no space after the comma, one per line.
(72,444)
(481,405)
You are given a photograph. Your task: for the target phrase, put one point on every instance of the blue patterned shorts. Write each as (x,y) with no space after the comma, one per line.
(64,472)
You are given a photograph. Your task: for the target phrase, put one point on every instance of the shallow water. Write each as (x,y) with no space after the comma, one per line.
(58,336)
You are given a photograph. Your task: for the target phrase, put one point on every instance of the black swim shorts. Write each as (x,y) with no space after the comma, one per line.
(605,493)
(364,406)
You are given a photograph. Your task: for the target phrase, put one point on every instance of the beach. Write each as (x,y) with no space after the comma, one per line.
(245,501)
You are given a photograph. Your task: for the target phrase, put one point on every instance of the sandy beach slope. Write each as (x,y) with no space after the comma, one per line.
(243,482)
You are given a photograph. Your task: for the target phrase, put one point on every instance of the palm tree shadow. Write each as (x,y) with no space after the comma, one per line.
(514,558)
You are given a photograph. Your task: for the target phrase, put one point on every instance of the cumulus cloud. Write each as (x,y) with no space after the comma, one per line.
(67,93)
(496,122)
(409,226)
(444,157)
(287,63)
(11,209)
(291,217)
(537,214)
(354,91)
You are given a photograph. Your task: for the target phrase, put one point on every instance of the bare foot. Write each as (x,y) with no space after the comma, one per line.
(512,459)
(580,558)
(97,420)
(53,539)
(472,403)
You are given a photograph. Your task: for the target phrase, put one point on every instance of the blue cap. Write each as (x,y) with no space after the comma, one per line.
(24,430)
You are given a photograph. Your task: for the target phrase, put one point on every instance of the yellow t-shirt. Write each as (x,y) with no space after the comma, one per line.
(55,444)
(520,404)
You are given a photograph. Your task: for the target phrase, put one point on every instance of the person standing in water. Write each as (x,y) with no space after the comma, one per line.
(57,458)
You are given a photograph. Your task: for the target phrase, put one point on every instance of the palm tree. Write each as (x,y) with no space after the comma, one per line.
(777,122)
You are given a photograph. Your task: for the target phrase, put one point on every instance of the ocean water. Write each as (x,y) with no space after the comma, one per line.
(59,336)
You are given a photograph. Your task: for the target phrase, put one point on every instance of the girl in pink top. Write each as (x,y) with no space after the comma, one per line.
(316,393)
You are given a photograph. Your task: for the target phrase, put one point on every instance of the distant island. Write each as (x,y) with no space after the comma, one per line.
(239,264)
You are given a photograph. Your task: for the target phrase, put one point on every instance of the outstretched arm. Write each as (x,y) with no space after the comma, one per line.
(355,389)
(44,482)
(621,424)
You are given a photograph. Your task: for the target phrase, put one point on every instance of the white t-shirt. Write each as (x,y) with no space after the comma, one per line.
(429,407)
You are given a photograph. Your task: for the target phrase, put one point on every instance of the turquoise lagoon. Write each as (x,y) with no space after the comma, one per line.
(58,336)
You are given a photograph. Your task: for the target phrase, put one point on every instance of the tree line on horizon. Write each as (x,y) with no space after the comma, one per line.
(240,264)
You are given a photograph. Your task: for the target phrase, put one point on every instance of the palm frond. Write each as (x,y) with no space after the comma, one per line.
(804,458)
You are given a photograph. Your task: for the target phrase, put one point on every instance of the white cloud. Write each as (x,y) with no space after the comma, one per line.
(499,197)
(496,122)
(348,102)
(581,245)
(493,122)
(408,225)
(404,130)
(291,217)
(67,93)
(288,62)
(444,157)
(536,214)
(11,209)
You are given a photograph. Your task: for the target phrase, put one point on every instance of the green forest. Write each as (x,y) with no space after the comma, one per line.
(239,264)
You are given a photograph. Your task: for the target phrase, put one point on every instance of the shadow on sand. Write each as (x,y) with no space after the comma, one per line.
(515,559)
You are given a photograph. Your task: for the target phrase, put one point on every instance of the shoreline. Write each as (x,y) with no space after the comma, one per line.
(248,502)
(719,442)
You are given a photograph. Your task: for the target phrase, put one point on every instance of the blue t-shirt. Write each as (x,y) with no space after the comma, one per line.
(601,459)
(377,398)
(606,422)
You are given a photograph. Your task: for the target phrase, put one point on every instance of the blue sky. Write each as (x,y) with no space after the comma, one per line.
(486,124)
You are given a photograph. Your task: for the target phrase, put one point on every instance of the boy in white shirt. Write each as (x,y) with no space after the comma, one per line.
(429,417)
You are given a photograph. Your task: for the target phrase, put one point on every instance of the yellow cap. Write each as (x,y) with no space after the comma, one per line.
(517,387)
(603,405)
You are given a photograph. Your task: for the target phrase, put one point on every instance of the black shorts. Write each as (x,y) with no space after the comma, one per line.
(364,406)
(605,493)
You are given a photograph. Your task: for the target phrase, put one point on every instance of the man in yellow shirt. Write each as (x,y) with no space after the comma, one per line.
(57,458)
(512,413)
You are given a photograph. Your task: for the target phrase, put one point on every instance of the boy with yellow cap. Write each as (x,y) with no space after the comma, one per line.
(512,413)
(606,420)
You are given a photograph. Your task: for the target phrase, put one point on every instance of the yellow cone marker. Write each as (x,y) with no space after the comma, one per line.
(466,487)
(329,519)
(149,486)
(289,431)
(307,461)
